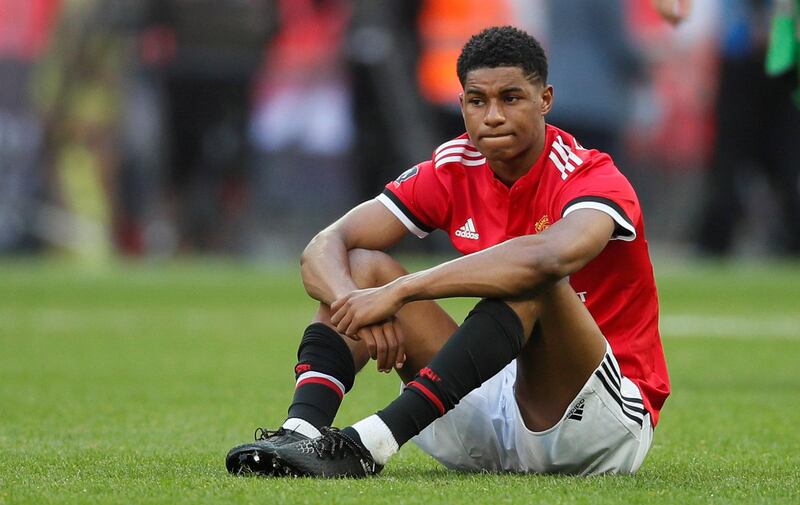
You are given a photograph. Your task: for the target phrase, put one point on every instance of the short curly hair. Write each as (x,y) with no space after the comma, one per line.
(503,46)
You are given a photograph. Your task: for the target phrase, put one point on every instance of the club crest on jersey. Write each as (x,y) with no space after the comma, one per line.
(542,224)
(408,174)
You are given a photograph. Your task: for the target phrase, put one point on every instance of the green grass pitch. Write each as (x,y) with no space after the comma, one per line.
(129,385)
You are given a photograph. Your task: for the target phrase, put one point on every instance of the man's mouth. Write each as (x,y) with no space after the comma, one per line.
(495,135)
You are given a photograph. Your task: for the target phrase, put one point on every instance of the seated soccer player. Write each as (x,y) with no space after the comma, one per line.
(558,369)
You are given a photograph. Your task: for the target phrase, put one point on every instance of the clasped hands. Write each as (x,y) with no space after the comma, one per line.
(369,315)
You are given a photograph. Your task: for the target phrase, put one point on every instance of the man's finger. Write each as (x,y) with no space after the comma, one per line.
(354,326)
(366,336)
(344,323)
(391,346)
(397,330)
(380,347)
(336,315)
(400,360)
(338,308)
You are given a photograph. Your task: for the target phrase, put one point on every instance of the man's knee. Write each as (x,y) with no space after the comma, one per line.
(373,268)
(529,309)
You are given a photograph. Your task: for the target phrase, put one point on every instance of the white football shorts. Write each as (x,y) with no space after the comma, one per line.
(605,430)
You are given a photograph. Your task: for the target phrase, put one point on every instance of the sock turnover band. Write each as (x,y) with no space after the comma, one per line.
(324,373)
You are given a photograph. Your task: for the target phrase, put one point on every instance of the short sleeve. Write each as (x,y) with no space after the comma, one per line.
(599,185)
(418,199)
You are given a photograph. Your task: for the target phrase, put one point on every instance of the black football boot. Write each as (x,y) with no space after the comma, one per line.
(256,458)
(334,454)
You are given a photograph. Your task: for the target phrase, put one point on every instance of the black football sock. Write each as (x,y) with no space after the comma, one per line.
(489,339)
(325,371)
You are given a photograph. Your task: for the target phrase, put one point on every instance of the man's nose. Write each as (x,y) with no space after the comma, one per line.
(494,115)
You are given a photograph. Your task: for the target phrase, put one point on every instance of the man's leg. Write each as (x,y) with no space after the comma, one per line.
(559,347)
(564,350)
(483,423)
(425,324)
(328,362)
(493,335)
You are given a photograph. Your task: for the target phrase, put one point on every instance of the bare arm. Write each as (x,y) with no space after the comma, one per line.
(325,269)
(324,265)
(517,267)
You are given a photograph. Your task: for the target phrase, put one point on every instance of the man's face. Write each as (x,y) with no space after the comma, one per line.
(504,112)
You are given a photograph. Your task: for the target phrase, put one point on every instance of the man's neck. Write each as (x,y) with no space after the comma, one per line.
(510,170)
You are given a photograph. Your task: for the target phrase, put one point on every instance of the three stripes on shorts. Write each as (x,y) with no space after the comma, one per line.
(610,376)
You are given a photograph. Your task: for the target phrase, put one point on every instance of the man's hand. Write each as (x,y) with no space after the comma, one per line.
(673,11)
(368,315)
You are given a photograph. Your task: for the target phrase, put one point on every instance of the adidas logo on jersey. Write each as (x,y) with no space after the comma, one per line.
(564,158)
(576,412)
(458,151)
(468,231)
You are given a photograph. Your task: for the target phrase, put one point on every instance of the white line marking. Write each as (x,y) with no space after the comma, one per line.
(781,327)
(60,320)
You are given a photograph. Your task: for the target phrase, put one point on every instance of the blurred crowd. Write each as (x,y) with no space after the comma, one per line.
(163,127)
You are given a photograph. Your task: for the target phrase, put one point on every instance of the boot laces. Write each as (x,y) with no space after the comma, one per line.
(265,434)
(333,443)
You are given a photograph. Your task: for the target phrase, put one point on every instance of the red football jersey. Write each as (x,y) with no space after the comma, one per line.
(456,191)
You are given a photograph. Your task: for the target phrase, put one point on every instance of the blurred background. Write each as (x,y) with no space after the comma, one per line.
(163,162)
(163,128)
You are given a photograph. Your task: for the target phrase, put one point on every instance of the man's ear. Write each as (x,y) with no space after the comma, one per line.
(547,99)
(461,102)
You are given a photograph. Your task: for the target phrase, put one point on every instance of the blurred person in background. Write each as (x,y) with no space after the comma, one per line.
(301,127)
(146,103)
(783,55)
(78,90)
(25,29)
(140,184)
(392,120)
(443,27)
(758,128)
(594,67)
(218,46)
(673,11)
(670,132)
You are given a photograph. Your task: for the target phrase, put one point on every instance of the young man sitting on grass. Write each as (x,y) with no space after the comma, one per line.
(558,369)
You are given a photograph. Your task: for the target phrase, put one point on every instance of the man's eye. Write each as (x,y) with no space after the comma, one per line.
(512,99)
(476,101)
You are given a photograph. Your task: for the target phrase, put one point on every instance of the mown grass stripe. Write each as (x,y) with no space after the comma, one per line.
(754,327)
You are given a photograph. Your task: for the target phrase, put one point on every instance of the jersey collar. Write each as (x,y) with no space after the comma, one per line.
(532,177)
